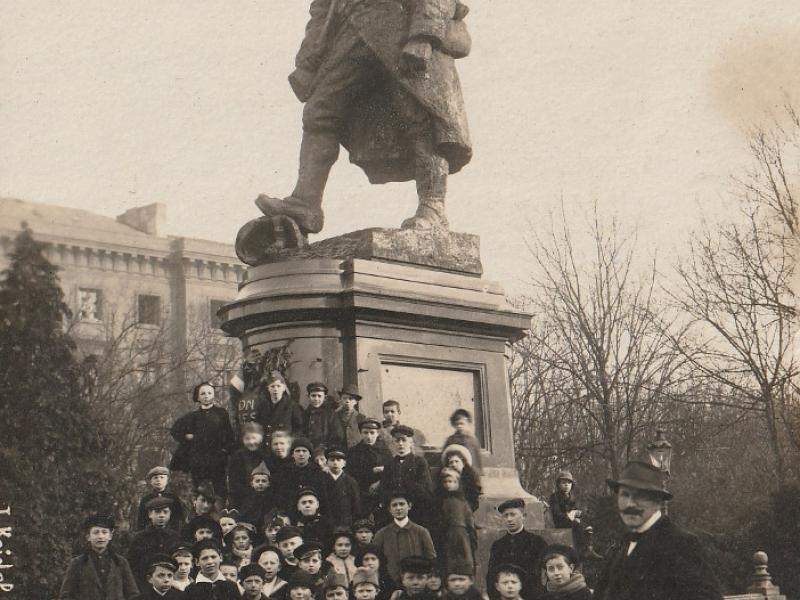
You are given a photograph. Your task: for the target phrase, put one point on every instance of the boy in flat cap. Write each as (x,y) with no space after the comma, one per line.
(99,573)
(280,411)
(322,426)
(348,414)
(251,578)
(309,560)
(242,462)
(344,497)
(156,538)
(410,472)
(158,480)
(402,537)
(210,584)
(312,524)
(288,539)
(366,461)
(261,498)
(518,546)
(160,573)
(657,560)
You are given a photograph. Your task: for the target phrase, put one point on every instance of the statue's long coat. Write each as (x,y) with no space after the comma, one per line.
(375,128)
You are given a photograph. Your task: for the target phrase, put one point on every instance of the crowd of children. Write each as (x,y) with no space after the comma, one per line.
(318,502)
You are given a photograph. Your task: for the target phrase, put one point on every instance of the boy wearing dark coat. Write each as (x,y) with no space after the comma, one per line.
(210,584)
(322,427)
(99,573)
(366,462)
(158,480)
(160,573)
(156,538)
(344,498)
(261,498)
(459,583)
(280,411)
(414,574)
(304,473)
(243,461)
(410,472)
(312,524)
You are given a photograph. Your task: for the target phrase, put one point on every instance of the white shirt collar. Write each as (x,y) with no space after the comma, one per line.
(203,579)
(402,523)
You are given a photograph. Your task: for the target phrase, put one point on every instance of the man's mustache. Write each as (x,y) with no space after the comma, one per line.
(633,511)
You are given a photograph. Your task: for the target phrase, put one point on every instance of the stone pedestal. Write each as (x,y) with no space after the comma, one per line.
(407,316)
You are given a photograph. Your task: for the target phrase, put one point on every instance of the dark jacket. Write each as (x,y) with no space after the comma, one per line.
(322,427)
(296,478)
(213,440)
(257,504)
(172,594)
(177,513)
(145,544)
(82,581)
(350,424)
(524,549)
(582,594)
(472,593)
(411,473)
(344,499)
(560,505)
(240,464)
(317,528)
(285,415)
(219,590)
(666,564)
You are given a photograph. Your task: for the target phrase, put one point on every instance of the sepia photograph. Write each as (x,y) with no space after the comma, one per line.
(399,300)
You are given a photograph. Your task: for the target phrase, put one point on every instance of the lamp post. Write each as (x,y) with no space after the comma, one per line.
(660,451)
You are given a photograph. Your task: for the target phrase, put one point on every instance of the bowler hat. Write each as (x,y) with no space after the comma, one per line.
(252,570)
(641,476)
(103,521)
(157,471)
(316,386)
(350,389)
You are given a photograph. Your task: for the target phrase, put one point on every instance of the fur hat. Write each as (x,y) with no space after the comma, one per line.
(463,451)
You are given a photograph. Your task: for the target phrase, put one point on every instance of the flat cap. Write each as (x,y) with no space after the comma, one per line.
(104,521)
(370,423)
(307,491)
(513,503)
(334,453)
(316,386)
(288,532)
(306,549)
(402,430)
(162,560)
(157,471)
(158,502)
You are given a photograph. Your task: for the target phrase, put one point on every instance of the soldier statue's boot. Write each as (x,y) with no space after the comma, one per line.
(318,152)
(431,175)
(430,214)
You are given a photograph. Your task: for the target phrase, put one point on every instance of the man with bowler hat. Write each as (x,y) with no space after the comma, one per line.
(656,560)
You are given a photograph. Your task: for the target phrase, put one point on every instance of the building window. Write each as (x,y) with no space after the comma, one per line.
(90,304)
(149,309)
(213,307)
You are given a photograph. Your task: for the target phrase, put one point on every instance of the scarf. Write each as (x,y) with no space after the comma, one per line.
(244,555)
(576,582)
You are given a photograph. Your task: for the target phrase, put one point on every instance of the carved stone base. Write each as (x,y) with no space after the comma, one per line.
(262,239)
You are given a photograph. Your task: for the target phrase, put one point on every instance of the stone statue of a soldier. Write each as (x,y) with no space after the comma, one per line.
(379,78)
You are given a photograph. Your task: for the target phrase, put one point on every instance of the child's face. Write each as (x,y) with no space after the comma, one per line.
(161,579)
(315,399)
(203,533)
(364,536)
(336,465)
(307,505)
(399,507)
(280,446)
(450,483)
(558,570)
(311,563)
(259,482)
(322,462)
(252,440)
(301,456)
(434,582)
(371,562)
(226,523)
(287,546)
(271,563)
(252,586)
(455,462)
(349,403)
(205,396)
(365,591)
(300,593)
(403,444)
(513,519)
(159,517)
(508,585)
(391,413)
(184,567)
(271,533)
(276,389)
(461,425)
(458,584)
(564,485)
(342,547)
(229,572)
(414,583)
(208,562)
(159,482)
(241,540)
(99,538)
(201,505)
(337,593)
(370,436)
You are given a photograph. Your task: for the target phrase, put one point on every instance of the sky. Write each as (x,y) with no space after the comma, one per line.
(641,108)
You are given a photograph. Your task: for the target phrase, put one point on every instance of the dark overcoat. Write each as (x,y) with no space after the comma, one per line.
(213,440)
(240,465)
(374,133)
(322,427)
(177,516)
(285,415)
(666,564)
(344,499)
(146,544)
(524,549)
(82,582)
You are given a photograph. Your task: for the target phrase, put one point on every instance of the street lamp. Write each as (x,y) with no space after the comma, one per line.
(660,451)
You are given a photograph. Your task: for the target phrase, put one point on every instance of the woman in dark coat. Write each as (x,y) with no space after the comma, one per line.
(205,438)
(457,539)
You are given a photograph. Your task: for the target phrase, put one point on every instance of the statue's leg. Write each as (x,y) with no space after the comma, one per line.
(430,173)
(337,86)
